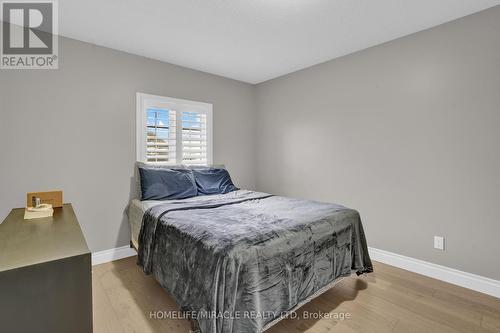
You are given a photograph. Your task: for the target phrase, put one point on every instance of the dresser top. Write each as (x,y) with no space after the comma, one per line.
(30,242)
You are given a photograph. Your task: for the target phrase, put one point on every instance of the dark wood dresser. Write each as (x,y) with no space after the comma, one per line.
(45,274)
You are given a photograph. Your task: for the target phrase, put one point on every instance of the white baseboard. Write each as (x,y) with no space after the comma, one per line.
(463,279)
(117,253)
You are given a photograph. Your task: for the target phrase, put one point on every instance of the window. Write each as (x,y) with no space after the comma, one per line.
(173,131)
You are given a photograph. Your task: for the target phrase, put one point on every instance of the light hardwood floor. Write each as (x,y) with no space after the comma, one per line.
(388,300)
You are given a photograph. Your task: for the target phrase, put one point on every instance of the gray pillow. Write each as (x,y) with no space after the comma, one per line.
(143,165)
(213,181)
(164,184)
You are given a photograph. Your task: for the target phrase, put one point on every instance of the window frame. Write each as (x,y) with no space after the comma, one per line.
(145,101)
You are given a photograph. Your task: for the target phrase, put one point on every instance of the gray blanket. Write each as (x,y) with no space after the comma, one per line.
(237,261)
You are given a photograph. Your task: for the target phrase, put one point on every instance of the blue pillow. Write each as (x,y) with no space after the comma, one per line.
(163,184)
(213,181)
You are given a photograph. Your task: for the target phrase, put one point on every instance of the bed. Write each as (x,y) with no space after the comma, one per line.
(241,261)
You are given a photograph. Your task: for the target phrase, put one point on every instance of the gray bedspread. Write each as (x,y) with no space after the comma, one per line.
(238,261)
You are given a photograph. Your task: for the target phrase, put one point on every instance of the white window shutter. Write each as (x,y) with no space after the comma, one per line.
(160,136)
(173,131)
(194,138)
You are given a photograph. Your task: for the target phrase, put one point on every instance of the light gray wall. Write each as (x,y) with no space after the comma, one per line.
(74,129)
(407,132)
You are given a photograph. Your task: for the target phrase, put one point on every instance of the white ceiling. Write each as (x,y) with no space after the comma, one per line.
(252,40)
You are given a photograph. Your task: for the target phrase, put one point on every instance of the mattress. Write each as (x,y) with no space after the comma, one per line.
(136,211)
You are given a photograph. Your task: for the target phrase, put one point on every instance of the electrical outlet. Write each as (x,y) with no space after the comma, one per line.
(439,242)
